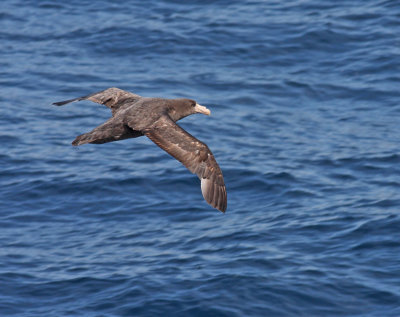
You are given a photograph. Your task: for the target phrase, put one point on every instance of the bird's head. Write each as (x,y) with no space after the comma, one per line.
(180,108)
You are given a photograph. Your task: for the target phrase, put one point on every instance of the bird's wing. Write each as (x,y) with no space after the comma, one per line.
(193,154)
(113,98)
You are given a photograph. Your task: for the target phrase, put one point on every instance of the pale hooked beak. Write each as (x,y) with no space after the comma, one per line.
(201,109)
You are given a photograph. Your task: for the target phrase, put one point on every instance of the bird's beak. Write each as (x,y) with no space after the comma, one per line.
(201,109)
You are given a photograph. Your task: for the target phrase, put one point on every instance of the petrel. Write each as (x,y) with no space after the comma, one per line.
(134,116)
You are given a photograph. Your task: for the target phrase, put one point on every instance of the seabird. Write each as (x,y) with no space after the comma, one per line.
(134,116)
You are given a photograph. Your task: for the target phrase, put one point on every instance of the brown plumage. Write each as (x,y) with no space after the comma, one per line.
(134,116)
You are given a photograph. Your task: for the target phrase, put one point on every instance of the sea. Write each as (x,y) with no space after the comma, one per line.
(305,118)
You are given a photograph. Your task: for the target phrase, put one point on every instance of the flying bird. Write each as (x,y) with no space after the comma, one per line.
(134,116)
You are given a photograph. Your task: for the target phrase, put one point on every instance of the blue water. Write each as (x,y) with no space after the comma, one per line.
(305,101)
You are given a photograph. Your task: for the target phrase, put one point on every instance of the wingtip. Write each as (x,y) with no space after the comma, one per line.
(64,102)
(222,208)
(214,195)
(60,103)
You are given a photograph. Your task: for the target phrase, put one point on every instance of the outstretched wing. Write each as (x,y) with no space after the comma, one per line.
(193,154)
(113,98)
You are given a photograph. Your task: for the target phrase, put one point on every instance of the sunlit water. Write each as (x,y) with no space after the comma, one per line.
(305,126)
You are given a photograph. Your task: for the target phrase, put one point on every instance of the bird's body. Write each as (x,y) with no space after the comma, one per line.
(134,116)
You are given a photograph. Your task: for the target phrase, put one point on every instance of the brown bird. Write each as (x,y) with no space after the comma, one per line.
(134,116)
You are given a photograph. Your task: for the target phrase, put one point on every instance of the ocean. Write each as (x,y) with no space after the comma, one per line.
(305,115)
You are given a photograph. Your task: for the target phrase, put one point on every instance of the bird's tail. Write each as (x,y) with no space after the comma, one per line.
(100,135)
(84,139)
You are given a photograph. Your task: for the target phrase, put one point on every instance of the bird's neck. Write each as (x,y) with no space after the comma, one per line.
(174,115)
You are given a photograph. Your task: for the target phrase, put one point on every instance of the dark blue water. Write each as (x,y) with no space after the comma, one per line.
(305,101)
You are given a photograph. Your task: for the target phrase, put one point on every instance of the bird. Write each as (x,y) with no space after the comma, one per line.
(135,116)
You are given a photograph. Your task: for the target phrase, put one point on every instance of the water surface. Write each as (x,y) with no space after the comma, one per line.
(305,126)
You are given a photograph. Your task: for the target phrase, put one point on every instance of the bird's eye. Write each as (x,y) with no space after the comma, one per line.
(193,104)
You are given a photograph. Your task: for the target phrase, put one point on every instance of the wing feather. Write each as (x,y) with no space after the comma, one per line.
(112,98)
(194,155)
